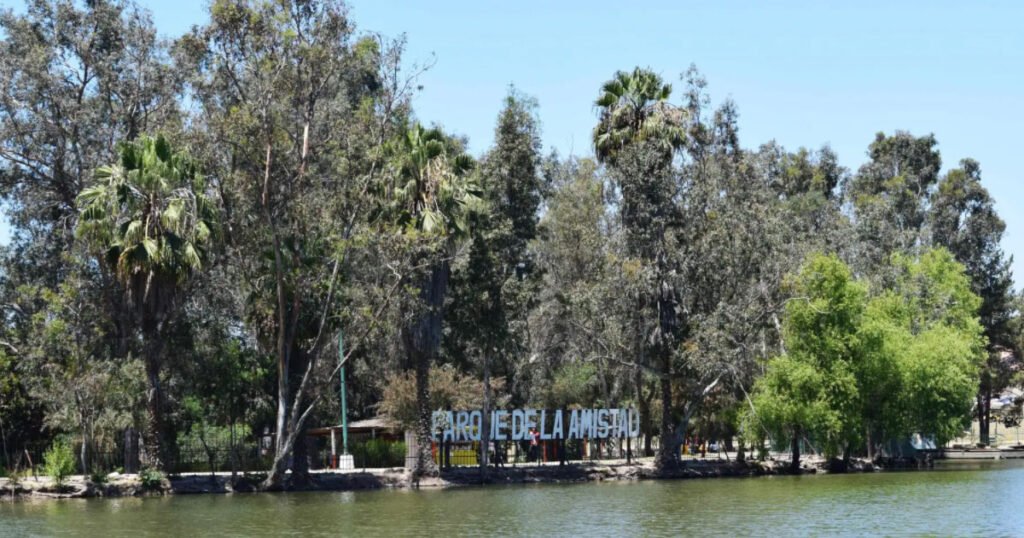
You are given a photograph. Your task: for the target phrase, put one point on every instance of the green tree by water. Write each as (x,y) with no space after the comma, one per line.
(860,369)
(151,223)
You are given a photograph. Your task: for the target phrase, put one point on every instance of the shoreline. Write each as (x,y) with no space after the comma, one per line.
(399,479)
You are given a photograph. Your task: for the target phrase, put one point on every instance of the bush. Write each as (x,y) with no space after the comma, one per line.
(378,453)
(59,462)
(151,478)
(98,477)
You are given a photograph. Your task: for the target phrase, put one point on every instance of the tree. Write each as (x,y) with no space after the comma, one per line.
(962,218)
(294,113)
(873,369)
(890,195)
(636,135)
(430,200)
(495,282)
(151,221)
(633,108)
(76,78)
(934,304)
(68,366)
(811,391)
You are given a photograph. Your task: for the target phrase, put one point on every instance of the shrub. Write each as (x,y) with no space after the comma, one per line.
(379,453)
(59,462)
(151,478)
(98,477)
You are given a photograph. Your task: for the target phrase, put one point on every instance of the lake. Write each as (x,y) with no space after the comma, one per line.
(975,499)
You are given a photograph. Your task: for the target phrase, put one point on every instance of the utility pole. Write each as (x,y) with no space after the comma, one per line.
(345,460)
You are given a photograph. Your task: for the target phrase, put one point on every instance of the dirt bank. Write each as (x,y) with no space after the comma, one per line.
(131,485)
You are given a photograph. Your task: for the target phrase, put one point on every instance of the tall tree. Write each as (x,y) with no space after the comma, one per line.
(294,113)
(495,283)
(430,201)
(150,219)
(637,134)
(75,79)
(890,195)
(962,218)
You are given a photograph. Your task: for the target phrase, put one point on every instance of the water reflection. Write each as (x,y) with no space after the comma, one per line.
(956,500)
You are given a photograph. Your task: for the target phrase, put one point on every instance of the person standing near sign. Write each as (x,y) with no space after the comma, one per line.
(534,444)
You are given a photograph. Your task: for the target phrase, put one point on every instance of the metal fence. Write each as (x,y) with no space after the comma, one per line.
(524,453)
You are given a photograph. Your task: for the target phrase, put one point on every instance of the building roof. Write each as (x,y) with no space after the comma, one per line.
(368,425)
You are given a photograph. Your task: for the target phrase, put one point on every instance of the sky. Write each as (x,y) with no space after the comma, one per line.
(802,73)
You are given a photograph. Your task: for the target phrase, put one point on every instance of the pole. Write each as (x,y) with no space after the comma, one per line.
(344,406)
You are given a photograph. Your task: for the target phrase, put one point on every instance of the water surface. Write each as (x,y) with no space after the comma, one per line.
(954,501)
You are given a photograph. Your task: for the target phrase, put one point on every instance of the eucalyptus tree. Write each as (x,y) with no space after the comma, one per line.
(583,320)
(151,220)
(889,196)
(429,200)
(962,217)
(75,78)
(293,115)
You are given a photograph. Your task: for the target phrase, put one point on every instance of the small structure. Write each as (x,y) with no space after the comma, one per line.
(379,429)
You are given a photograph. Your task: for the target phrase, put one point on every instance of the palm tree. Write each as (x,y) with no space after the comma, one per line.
(431,201)
(151,222)
(634,107)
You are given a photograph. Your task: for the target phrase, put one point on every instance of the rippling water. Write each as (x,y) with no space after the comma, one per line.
(954,501)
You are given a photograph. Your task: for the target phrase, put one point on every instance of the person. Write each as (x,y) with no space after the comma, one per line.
(499,454)
(534,444)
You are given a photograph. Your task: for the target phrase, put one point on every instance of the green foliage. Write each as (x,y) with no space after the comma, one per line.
(812,389)
(634,108)
(59,461)
(98,477)
(150,478)
(902,362)
(574,384)
(433,192)
(651,272)
(378,453)
(449,389)
(150,215)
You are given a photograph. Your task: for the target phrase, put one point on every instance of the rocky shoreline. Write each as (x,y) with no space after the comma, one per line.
(398,478)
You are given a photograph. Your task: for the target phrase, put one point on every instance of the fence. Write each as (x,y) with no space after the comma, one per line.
(191,457)
(522,453)
(369,454)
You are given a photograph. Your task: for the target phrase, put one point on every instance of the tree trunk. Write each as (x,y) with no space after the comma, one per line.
(985,412)
(422,342)
(234,455)
(157,437)
(300,462)
(644,409)
(425,465)
(794,464)
(82,455)
(667,457)
(485,422)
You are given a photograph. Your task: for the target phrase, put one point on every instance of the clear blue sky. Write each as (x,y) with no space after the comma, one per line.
(802,73)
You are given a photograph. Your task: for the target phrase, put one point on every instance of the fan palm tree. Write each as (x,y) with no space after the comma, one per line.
(431,199)
(151,221)
(634,107)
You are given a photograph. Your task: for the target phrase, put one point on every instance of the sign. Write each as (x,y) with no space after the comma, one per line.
(515,424)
